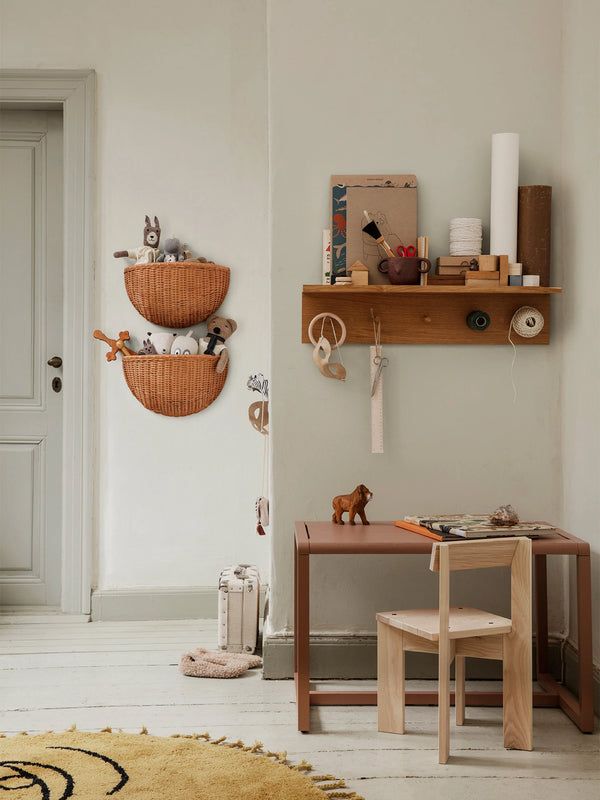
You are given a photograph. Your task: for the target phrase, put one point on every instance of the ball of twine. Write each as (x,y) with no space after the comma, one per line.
(527,322)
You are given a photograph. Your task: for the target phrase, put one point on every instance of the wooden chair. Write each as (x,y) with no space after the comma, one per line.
(455,633)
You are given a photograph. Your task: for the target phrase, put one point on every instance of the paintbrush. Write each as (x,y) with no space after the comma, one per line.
(372,230)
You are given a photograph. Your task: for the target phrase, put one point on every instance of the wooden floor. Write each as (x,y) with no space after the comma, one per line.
(54,674)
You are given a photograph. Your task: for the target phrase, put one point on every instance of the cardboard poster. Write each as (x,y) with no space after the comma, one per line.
(392,202)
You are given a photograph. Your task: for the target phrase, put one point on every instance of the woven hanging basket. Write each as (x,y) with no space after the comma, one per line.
(177,295)
(174,385)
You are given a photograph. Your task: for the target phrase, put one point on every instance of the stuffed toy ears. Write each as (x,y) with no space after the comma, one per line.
(233,324)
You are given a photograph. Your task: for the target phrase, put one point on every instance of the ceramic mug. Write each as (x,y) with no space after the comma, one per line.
(405,271)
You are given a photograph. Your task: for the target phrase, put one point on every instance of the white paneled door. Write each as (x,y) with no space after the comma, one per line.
(31,323)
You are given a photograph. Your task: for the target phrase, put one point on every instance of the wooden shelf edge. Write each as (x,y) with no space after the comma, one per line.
(313,289)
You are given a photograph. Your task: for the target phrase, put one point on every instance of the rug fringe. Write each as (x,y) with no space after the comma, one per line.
(332,787)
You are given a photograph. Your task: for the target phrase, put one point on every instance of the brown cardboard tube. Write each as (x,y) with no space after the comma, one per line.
(534,231)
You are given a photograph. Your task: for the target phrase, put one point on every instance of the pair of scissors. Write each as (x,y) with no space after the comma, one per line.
(406,252)
(380,362)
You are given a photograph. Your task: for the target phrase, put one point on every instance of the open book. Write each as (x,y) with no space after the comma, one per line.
(477,526)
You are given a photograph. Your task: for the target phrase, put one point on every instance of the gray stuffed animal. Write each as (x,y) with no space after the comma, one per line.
(173,251)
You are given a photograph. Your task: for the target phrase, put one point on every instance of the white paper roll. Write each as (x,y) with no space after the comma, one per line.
(505,195)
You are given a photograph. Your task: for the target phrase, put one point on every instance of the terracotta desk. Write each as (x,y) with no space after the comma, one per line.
(381,538)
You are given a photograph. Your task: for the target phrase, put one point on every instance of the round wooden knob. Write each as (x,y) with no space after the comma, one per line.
(427,318)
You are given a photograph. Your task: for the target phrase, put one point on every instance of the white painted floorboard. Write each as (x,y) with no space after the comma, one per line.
(124,674)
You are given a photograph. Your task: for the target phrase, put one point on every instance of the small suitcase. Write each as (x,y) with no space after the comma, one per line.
(239,590)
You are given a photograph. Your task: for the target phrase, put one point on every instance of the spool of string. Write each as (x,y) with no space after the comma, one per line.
(526,322)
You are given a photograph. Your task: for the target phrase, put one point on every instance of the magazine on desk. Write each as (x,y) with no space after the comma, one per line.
(477,526)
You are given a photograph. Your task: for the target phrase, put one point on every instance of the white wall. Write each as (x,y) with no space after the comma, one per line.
(399,86)
(181,126)
(580,380)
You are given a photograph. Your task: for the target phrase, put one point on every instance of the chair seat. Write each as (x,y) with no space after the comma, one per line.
(464,622)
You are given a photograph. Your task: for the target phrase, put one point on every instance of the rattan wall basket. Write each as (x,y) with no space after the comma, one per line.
(177,295)
(174,385)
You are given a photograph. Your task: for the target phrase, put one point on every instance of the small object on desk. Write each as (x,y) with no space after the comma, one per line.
(462,270)
(504,195)
(488,263)
(515,269)
(466,262)
(404,271)
(534,231)
(353,504)
(504,515)
(343,280)
(531,280)
(515,280)
(485,280)
(423,252)
(360,274)
(466,236)
(327,256)
(373,231)
(445,280)
(478,526)
(503,270)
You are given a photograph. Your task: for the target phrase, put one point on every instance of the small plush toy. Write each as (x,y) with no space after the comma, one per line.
(174,251)
(147,349)
(148,253)
(162,342)
(219,329)
(184,345)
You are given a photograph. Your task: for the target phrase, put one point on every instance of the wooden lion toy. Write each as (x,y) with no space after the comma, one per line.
(352,503)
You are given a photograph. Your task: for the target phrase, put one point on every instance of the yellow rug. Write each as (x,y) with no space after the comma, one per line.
(89,766)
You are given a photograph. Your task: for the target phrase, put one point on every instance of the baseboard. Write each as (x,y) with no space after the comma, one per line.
(156,603)
(571,675)
(347,657)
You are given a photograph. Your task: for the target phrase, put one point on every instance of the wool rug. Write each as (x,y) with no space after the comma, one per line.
(126,766)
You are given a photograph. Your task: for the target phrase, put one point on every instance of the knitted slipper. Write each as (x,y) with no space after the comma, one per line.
(205,665)
(223,657)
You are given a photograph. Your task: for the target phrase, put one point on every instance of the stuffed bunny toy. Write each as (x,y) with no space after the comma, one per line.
(148,253)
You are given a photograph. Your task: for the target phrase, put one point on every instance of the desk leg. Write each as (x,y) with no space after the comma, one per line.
(541,615)
(302,639)
(584,640)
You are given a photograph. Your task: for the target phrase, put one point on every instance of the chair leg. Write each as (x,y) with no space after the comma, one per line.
(390,679)
(459,689)
(445,659)
(517,693)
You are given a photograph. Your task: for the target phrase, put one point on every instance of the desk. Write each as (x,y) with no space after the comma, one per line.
(383,538)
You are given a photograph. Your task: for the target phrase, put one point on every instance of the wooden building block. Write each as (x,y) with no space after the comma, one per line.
(488,263)
(503,265)
(457,261)
(360,274)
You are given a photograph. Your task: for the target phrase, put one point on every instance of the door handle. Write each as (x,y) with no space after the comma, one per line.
(55,361)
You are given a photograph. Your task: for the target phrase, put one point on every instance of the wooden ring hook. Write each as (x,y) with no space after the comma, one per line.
(325,315)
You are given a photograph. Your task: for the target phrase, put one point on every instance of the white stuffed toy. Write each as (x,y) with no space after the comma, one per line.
(184,345)
(162,342)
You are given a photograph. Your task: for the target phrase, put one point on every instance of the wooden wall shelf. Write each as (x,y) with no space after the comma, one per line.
(426,314)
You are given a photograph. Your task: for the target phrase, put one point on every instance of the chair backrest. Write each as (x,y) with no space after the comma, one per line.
(475,554)
(515,553)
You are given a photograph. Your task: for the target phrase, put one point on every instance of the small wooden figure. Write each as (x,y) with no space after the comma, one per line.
(360,274)
(115,344)
(352,503)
